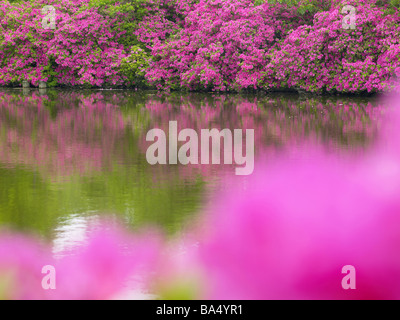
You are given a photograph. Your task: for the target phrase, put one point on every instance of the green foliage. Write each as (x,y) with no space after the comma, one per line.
(304,6)
(129,13)
(134,66)
(49,70)
(393,5)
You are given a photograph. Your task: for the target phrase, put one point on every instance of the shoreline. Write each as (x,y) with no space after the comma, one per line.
(300,93)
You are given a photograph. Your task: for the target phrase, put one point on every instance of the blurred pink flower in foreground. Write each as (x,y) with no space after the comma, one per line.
(98,269)
(21,262)
(298,222)
(102,268)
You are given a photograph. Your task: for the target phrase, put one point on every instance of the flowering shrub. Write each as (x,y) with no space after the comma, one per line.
(222,47)
(81,50)
(202,45)
(23,44)
(325,56)
(86,50)
(143,24)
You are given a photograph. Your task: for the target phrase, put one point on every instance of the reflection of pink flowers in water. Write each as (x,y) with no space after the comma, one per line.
(76,141)
(278,124)
(88,137)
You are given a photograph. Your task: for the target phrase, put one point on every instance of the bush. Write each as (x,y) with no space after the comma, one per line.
(23,44)
(327,57)
(86,49)
(82,50)
(222,47)
(134,66)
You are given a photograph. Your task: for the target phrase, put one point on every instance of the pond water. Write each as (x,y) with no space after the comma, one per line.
(68,158)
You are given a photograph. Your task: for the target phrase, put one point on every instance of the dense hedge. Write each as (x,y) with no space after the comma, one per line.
(218,45)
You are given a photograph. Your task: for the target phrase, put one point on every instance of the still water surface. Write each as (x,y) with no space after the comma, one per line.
(68,158)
